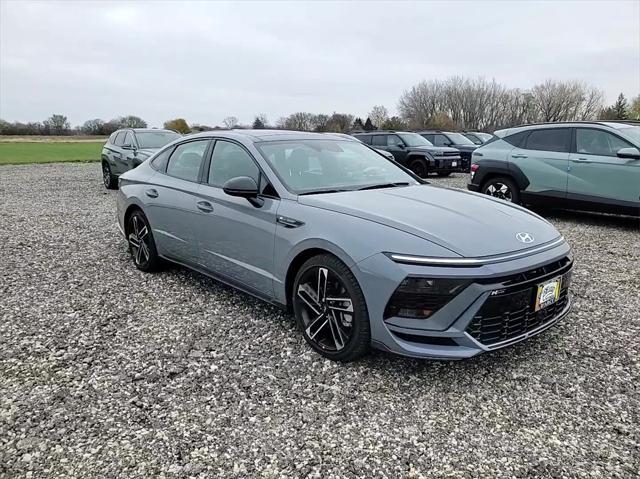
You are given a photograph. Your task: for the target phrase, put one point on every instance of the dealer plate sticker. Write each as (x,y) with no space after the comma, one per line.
(454,164)
(548,293)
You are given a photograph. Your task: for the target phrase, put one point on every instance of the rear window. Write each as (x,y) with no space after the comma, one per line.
(119,140)
(553,139)
(364,138)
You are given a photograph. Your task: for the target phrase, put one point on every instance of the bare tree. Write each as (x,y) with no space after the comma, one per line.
(378,114)
(230,122)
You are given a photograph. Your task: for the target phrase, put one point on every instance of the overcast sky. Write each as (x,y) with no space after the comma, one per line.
(205,61)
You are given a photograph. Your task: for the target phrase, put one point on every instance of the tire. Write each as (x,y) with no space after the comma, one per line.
(502,187)
(142,246)
(336,328)
(419,167)
(444,174)
(108,179)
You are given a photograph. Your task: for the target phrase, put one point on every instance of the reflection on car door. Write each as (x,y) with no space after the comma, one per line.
(236,238)
(544,159)
(597,173)
(173,204)
(117,153)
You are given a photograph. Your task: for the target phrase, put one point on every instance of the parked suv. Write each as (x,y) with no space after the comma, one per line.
(582,165)
(454,140)
(414,152)
(125,149)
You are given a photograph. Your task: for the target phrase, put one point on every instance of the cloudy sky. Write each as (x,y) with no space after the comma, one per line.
(207,60)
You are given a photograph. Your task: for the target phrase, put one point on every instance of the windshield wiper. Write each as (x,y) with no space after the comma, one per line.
(319,192)
(384,185)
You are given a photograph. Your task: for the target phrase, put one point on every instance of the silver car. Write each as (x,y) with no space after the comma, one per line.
(364,253)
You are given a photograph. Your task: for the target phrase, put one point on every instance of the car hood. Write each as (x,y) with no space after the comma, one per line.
(434,149)
(468,224)
(466,147)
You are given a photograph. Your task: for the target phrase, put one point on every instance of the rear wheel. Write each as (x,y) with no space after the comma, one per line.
(419,167)
(330,309)
(141,244)
(503,188)
(110,181)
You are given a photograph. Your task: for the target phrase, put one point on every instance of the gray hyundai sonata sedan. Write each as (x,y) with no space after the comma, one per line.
(364,253)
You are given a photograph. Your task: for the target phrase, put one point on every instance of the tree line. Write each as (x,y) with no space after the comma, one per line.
(457,103)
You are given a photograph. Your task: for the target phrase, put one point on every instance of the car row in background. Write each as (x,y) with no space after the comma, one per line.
(414,152)
(127,148)
(579,165)
(478,137)
(452,140)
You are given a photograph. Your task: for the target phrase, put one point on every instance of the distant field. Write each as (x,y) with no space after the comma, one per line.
(49,139)
(19,152)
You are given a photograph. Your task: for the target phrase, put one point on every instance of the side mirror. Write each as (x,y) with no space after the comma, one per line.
(128,146)
(631,153)
(401,146)
(241,186)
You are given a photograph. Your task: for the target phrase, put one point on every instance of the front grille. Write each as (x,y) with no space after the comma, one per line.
(451,153)
(510,312)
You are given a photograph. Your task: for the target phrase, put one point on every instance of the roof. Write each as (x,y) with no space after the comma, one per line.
(608,123)
(261,135)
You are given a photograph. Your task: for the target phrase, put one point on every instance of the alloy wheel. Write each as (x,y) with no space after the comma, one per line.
(139,240)
(326,308)
(499,190)
(106,175)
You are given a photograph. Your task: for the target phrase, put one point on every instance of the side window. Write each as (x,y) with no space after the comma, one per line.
(554,139)
(379,140)
(393,140)
(598,142)
(128,138)
(119,138)
(160,161)
(229,161)
(517,139)
(186,160)
(429,137)
(112,138)
(365,139)
(440,140)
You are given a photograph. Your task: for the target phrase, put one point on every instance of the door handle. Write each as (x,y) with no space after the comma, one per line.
(518,156)
(151,193)
(204,206)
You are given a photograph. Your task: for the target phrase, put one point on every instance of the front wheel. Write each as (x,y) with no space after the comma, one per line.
(503,188)
(419,167)
(330,309)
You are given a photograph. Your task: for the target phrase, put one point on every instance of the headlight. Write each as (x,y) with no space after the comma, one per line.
(420,298)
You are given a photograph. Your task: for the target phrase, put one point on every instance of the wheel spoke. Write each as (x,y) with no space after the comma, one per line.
(134,241)
(139,255)
(143,232)
(145,250)
(306,294)
(340,304)
(323,275)
(320,319)
(336,331)
(136,227)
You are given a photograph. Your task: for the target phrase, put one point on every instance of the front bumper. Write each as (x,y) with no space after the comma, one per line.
(473,187)
(453,331)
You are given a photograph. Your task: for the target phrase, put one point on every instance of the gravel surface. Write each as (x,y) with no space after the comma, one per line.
(109,372)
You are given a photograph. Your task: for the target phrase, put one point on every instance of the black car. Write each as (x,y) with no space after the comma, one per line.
(414,152)
(455,140)
(125,149)
(478,137)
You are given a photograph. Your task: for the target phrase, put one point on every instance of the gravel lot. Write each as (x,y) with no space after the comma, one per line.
(108,372)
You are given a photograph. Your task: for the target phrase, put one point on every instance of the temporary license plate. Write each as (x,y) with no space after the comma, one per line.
(454,164)
(548,293)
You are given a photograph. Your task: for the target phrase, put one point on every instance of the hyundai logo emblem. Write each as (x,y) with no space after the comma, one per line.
(524,237)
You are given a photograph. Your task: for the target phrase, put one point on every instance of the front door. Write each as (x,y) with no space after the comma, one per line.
(397,148)
(236,237)
(544,160)
(596,171)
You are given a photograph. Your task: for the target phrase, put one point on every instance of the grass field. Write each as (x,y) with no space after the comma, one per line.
(18,152)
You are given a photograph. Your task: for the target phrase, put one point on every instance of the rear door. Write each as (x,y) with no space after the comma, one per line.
(173,202)
(543,157)
(117,153)
(236,236)
(597,174)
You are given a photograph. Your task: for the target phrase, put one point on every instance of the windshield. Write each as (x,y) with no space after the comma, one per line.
(307,166)
(459,139)
(155,139)
(631,132)
(484,136)
(413,139)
